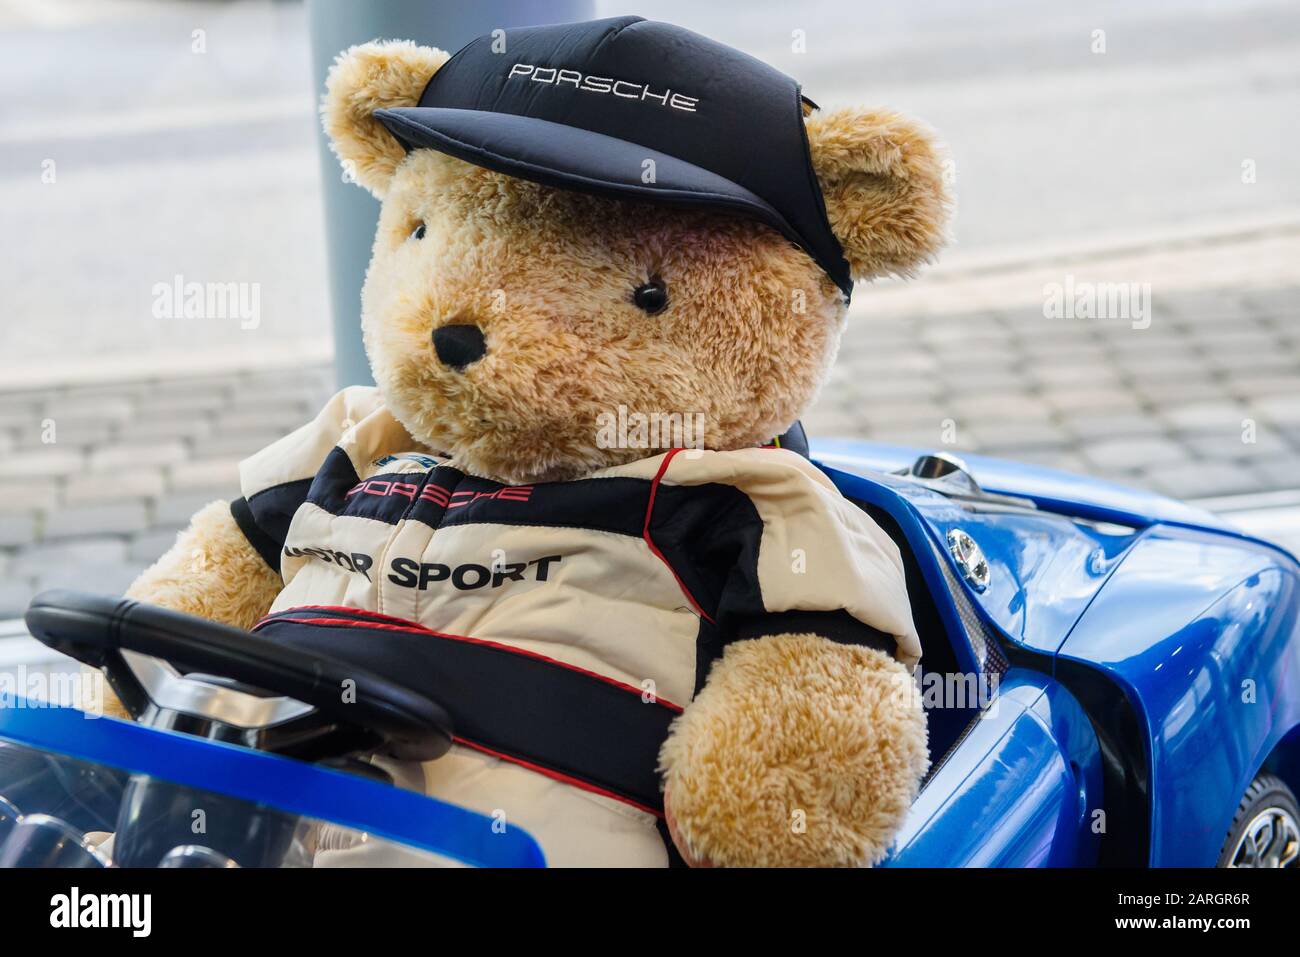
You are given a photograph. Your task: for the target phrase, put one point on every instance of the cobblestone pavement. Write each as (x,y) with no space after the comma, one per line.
(129,464)
(1206,402)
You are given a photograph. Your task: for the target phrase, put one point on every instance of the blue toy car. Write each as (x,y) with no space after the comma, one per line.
(1112,678)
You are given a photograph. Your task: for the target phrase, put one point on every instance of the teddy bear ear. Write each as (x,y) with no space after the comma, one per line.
(373,76)
(882,176)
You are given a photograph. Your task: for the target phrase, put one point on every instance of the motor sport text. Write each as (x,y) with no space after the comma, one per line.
(624,89)
(358,562)
(409,573)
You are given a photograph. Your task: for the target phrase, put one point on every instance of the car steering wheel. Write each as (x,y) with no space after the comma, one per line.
(175,670)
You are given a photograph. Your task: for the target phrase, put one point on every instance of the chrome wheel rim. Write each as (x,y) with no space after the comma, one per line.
(1271,839)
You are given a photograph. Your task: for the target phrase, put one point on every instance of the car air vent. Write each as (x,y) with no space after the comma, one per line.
(984,641)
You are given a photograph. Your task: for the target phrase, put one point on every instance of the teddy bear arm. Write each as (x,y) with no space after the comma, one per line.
(212,572)
(798,751)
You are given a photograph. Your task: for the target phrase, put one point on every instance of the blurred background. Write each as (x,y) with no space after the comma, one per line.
(150,143)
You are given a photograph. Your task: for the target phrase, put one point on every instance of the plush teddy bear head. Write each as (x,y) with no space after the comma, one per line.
(504,318)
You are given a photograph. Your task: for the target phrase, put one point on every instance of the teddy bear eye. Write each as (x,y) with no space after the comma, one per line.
(651,297)
(419,231)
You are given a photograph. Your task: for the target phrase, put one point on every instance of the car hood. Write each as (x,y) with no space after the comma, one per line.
(1050,489)
(1051,540)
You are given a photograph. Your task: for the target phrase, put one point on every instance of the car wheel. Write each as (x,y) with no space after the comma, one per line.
(1266,829)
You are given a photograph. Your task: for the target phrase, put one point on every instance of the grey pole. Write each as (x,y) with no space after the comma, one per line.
(350,212)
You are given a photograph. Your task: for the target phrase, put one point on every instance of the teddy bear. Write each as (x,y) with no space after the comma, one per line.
(612,265)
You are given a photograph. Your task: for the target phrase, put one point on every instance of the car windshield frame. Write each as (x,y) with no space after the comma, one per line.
(294,787)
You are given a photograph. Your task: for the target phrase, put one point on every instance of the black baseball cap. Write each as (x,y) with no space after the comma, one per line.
(584,106)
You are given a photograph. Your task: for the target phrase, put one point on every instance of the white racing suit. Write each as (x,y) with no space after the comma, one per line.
(563,625)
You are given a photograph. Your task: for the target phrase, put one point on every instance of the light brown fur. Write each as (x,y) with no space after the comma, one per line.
(750,327)
(798,752)
(373,76)
(786,723)
(885,182)
(211,572)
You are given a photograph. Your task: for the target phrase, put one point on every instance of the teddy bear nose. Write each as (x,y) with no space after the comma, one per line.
(459,345)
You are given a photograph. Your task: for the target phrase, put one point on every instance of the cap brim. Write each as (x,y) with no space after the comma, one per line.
(569,157)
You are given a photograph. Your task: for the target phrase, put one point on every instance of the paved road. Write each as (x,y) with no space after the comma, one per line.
(1204,402)
(1050,139)
(172,162)
(166,162)
(129,463)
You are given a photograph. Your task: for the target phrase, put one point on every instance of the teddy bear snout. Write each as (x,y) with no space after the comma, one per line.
(459,345)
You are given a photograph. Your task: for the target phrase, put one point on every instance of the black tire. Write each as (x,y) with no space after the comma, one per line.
(1269,809)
